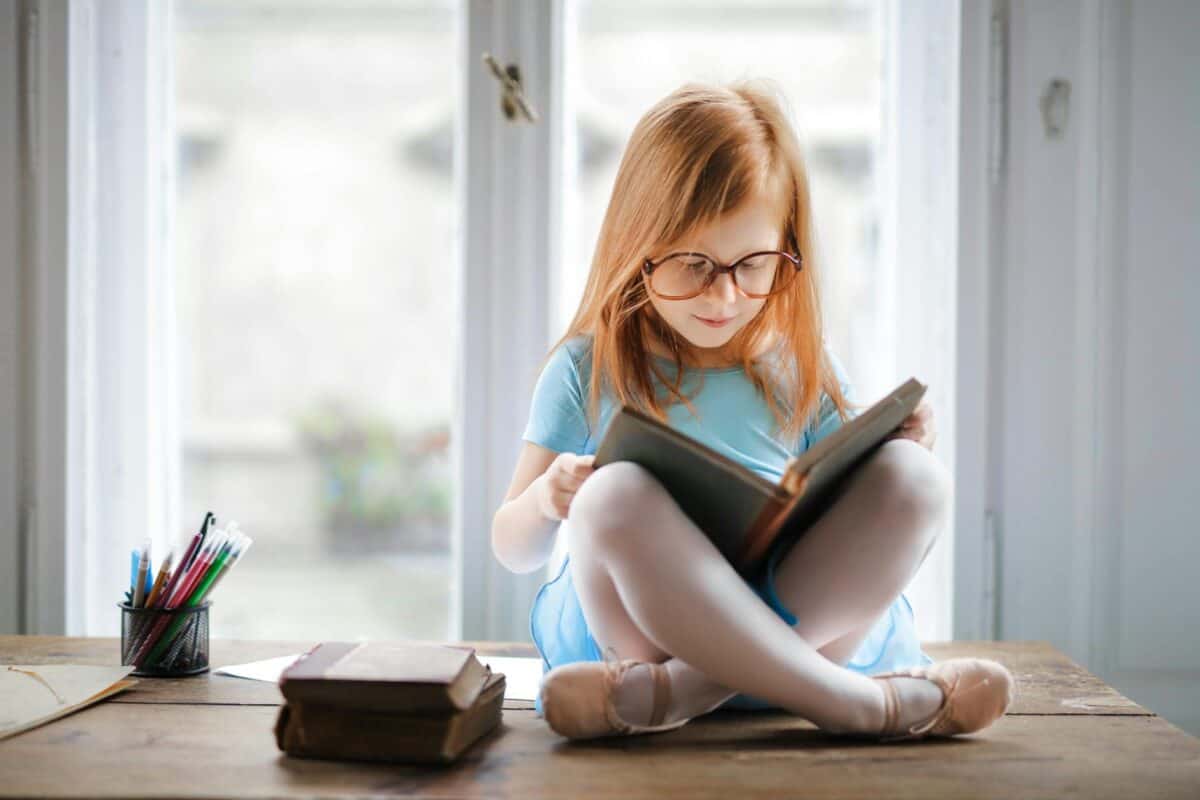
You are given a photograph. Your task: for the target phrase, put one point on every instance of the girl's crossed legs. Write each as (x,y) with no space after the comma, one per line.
(653,586)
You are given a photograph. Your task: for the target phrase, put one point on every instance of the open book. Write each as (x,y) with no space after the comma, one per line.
(742,512)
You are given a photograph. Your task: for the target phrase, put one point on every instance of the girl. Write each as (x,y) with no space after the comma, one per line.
(702,308)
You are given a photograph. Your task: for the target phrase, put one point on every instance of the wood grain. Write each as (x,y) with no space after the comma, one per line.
(119,750)
(206,688)
(1067,734)
(1048,682)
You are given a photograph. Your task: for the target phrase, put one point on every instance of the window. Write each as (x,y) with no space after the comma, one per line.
(827,59)
(316,297)
(320,219)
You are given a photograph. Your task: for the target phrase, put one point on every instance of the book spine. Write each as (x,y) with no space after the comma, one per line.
(792,481)
(762,534)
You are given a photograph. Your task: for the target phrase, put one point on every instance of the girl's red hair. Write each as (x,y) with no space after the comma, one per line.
(696,155)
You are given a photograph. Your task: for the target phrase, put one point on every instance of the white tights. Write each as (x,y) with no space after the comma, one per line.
(654,587)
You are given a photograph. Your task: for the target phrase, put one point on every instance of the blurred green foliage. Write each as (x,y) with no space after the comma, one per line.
(373,474)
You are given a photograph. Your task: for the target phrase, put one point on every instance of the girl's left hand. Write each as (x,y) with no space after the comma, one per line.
(918,426)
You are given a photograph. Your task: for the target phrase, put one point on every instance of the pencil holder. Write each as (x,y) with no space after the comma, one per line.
(165,643)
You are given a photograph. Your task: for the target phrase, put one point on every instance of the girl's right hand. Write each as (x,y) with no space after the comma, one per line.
(560,482)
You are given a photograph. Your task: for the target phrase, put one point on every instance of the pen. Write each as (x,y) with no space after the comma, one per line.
(209,519)
(200,567)
(181,570)
(246,541)
(139,586)
(163,570)
(229,554)
(170,601)
(140,622)
(224,551)
(166,597)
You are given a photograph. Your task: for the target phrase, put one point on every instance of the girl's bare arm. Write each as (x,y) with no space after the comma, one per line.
(538,498)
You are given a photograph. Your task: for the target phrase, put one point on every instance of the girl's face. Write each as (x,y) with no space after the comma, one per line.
(732,236)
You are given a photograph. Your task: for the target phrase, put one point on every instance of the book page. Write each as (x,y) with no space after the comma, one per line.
(33,694)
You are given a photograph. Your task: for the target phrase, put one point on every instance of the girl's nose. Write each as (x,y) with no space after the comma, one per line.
(724,288)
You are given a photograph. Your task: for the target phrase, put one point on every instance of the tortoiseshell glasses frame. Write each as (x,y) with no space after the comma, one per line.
(718,269)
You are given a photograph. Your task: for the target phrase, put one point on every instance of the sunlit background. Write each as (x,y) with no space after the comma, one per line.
(313,240)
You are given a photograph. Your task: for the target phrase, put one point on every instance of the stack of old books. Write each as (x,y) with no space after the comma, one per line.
(387,701)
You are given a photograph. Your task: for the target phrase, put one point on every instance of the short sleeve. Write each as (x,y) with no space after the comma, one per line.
(827,419)
(557,417)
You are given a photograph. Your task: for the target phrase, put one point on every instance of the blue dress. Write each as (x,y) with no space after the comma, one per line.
(732,418)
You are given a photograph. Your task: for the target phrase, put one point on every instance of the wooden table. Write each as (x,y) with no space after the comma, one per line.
(1067,734)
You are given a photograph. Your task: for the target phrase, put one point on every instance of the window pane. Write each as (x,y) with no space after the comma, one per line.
(317,291)
(826,57)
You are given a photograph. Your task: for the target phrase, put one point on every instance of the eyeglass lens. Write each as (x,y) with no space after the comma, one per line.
(687,274)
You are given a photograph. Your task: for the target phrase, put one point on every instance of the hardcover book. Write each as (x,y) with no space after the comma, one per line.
(317,731)
(742,512)
(404,677)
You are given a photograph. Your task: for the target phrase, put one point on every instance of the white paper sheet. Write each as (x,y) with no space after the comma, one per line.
(522,676)
(266,670)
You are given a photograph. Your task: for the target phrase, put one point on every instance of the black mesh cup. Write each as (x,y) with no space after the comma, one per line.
(165,643)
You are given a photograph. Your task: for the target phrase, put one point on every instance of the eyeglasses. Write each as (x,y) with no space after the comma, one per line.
(681,276)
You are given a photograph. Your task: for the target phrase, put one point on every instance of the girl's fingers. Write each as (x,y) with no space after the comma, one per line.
(571,482)
(561,501)
(569,466)
(907,433)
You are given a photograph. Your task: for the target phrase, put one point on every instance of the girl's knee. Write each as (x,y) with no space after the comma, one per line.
(911,482)
(613,498)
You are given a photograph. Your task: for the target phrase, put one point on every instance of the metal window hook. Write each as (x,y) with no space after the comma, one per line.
(1055,105)
(512,96)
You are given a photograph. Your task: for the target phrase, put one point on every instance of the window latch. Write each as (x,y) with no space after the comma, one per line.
(512,95)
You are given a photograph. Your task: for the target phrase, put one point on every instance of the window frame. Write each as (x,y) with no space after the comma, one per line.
(96,65)
(511,216)
(94,465)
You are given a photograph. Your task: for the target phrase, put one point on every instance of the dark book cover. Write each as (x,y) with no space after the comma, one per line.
(742,512)
(307,730)
(408,677)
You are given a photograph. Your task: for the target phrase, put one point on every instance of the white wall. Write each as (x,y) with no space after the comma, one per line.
(1099,346)
(1154,652)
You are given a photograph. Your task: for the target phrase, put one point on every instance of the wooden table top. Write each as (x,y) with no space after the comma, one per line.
(1067,733)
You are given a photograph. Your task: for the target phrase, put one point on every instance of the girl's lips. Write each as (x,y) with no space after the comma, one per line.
(715,323)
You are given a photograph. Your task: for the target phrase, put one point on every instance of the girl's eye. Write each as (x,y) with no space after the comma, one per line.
(754,263)
(698,266)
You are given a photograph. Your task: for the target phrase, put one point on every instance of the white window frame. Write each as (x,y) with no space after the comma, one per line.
(46,486)
(919,248)
(93,424)
(511,214)
(981,148)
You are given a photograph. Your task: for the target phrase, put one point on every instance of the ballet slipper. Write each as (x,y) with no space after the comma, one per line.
(577,698)
(977,691)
